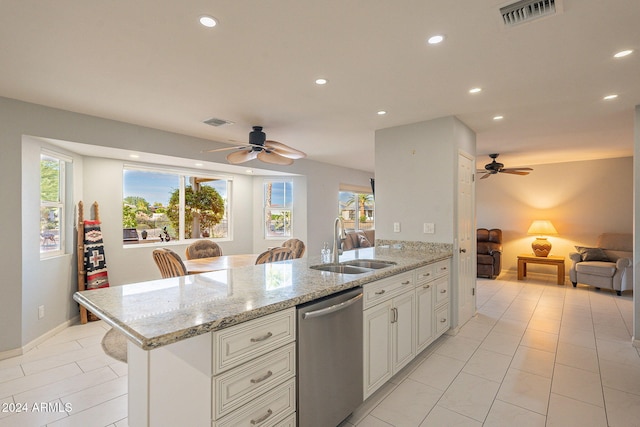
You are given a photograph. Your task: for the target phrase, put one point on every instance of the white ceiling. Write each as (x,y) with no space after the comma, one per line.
(151,63)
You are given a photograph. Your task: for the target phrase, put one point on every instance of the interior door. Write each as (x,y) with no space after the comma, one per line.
(466,252)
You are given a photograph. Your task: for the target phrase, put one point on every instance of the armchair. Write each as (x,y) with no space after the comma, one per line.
(609,265)
(489,248)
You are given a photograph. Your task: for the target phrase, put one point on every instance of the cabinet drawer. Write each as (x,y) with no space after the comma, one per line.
(441,268)
(275,408)
(246,341)
(385,289)
(425,274)
(240,385)
(442,289)
(442,319)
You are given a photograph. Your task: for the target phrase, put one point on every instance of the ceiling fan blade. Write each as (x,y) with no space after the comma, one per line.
(517,169)
(241,156)
(514,172)
(486,175)
(234,147)
(273,158)
(284,150)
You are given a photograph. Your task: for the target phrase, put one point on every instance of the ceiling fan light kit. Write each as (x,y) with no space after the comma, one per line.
(495,167)
(265,150)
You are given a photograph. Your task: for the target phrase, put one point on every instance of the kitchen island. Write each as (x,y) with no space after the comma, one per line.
(190,324)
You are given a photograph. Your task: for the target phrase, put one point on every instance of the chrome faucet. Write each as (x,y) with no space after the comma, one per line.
(337,239)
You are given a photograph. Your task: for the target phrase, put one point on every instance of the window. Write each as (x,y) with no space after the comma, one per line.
(357,210)
(278,203)
(160,206)
(52,199)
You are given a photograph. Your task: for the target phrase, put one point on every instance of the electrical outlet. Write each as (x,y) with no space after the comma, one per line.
(40,311)
(429,228)
(396,227)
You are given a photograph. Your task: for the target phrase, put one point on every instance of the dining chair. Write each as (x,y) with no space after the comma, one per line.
(274,254)
(169,263)
(297,247)
(203,249)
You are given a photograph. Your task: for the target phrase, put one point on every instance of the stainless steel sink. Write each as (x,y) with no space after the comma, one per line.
(369,263)
(341,268)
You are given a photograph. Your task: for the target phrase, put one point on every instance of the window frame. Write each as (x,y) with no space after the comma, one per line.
(59,204)
(183,176)
(357,191)
(287,207)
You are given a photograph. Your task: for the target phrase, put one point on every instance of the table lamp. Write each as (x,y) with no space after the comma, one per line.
(541,228)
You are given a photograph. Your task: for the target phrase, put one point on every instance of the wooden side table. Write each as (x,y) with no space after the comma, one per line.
(558,261)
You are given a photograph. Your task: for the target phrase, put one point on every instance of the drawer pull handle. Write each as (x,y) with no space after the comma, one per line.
(444,268)
(262,378)
(444,291)
(426,275)
(262,418)
(406,282)
(443,320)
(380,292)
(262,338)
(426,286)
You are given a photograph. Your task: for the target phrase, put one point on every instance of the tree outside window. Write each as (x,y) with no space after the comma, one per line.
(52,192)
(357,210)
(163,206)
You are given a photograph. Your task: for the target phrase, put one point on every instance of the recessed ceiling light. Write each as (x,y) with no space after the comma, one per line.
(249,171)
(498,118)
(134,156)
(199,164)
(475,90)
(208,21)
(321,81)
(623,53)
(609,97)
(435,39)
(382,113)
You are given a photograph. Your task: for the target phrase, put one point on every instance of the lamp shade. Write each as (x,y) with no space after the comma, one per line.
(542,228)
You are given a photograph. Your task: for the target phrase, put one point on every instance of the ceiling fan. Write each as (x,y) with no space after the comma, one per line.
(495,167)
(260,147)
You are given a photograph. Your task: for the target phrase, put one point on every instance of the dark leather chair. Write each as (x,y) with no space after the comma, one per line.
(489,252)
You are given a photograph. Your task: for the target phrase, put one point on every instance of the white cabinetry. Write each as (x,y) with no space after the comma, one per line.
(432,297)
(241,375)
(389,338)
(402,315)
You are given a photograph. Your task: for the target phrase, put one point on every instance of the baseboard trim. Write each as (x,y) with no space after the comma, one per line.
(42,338)
(635,342)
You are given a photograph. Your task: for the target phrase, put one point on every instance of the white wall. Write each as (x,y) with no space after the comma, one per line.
(636,227)
(24,275)
(416,174)
(582,200)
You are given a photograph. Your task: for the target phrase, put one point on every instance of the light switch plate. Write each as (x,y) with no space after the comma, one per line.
(396,227)
(429,228)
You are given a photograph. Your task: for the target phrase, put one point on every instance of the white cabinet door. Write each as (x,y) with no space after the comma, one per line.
(377,346)
(424,316)
(403,321)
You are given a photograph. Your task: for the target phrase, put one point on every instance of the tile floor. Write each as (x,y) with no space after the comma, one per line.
(536,354)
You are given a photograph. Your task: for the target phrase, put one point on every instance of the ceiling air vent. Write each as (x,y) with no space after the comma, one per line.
(217,122)
(527,10)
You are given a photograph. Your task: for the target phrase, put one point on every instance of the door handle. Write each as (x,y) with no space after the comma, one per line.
(462,250)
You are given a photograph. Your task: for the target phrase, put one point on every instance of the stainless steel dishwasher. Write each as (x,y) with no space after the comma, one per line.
(329,385)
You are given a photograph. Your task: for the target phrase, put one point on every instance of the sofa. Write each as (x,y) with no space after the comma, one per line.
(489,252)
(609,265)
(358,239)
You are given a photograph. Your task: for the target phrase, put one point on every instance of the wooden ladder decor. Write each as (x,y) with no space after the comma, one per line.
(85,315)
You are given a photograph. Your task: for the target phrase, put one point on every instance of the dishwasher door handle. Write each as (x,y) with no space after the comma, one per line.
(331,309)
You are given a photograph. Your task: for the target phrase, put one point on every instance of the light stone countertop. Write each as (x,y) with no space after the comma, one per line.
(161,312)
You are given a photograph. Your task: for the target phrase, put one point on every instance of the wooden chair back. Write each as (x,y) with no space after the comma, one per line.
(297,247)
(169,263)
(274,254)
(203,249)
